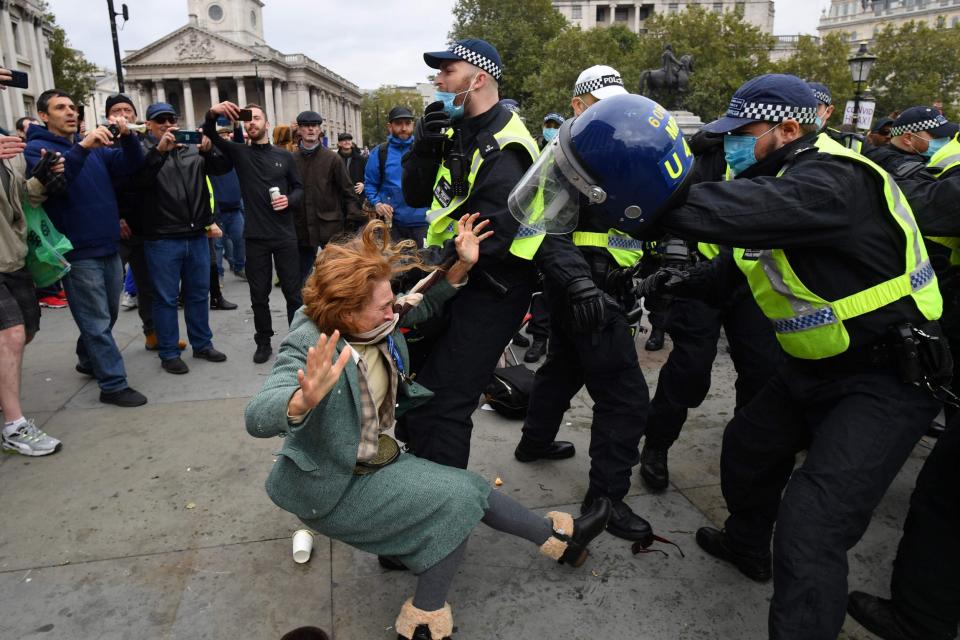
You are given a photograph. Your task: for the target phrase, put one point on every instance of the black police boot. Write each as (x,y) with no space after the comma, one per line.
(655,341)
(521,340)
(936,429)
(536,350)
(653,468)
(880,617)
(568,544)
(262,354)
(556,450)
(716,543)
(623,523)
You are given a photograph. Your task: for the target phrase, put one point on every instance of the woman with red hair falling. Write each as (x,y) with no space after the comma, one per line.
(340,380)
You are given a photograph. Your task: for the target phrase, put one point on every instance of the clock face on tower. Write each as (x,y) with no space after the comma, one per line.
(215,12)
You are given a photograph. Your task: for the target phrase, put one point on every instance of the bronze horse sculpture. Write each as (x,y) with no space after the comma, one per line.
(658,80)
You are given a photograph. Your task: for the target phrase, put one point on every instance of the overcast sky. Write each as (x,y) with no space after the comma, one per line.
(369,42)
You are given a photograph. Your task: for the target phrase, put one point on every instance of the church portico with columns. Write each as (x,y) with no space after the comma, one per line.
(220,55)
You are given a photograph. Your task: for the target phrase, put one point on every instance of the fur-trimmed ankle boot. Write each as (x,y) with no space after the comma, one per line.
(423,625)
(568,544)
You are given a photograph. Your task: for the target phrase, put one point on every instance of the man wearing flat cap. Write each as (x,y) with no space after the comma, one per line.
(328,200)
(467,155)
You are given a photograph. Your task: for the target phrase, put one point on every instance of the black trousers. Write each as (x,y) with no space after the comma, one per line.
(286,258)
(307,257)
(684,380)
(926,574)
(858,429)
(479,324)
(131,251)
(606,362)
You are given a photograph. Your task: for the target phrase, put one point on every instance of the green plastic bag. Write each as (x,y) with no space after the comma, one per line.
(46,247)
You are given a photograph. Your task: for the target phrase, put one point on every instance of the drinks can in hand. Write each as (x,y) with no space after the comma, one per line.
(274,193)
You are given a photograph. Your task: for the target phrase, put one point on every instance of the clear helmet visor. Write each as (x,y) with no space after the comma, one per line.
(544,201)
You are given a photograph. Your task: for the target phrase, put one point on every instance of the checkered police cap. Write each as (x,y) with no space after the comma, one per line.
(592,85)
(479,53)
(917,119)
(822,92)
(768,112)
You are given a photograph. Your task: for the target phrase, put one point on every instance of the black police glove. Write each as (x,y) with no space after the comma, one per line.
(53,183)
(659,281)
(587,306)
(429,134)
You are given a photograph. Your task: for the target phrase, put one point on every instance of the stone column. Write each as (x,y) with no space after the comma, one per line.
(10,57)
(46,68)
(278,102)
(314,106)
(268,94)
(214,92)
(303,97)
(358,115)
(140,100)
(189,117)
(160,91)
(33,46)
(241,92)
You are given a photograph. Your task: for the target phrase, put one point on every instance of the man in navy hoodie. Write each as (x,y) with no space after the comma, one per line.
(382,181)
(87,214)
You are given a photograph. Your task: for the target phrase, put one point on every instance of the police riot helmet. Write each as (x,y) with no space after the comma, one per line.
(625,156)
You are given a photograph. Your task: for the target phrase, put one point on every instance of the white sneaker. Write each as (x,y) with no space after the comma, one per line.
(28,440)
(128,301)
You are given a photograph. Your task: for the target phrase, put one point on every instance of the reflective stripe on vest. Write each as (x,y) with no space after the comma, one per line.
(809,327)
(944,160)
(210,189)
(707,250)
(442,227)
(626,251)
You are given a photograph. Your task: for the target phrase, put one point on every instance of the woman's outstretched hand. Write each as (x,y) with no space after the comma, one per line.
(320,375)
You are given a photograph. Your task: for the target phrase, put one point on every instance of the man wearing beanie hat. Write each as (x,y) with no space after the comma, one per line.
(833,256)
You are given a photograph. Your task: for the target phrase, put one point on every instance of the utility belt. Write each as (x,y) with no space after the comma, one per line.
(916,354)
(388,451)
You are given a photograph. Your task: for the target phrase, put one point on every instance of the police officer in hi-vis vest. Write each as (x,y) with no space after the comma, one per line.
(468,154)
(602,357)
(832,254)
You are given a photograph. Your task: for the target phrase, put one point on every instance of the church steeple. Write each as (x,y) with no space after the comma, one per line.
(237,20)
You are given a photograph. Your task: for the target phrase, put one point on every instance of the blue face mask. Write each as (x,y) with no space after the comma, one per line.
(934,146)
(550,134)
(739,151)
(818,122)
(453,111)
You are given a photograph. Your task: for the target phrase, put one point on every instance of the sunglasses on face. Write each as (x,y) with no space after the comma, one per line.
(165,120)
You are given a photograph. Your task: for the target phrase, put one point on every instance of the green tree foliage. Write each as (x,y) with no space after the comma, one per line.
(72,72)
(551,87)
(377,104)
(517,28)
(916,65)
(824,61)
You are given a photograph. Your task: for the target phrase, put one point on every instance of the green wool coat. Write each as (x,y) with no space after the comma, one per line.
(414,509)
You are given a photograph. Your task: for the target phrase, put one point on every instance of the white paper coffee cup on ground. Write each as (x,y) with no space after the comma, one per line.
(274,193)
(302,545)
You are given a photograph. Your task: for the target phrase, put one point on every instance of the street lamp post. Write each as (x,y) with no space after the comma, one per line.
(116,44)
(860,66)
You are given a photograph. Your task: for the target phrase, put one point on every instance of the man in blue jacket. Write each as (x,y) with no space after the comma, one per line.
(384,175)
(87,214)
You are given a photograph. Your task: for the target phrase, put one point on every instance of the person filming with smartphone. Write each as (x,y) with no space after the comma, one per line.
(177,218)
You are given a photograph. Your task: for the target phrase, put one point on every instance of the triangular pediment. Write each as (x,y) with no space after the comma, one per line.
(189,45)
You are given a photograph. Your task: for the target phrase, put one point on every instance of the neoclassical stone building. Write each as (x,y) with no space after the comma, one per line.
(24,46)
(220,54)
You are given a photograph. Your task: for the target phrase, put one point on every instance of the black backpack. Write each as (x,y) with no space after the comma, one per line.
(509,391)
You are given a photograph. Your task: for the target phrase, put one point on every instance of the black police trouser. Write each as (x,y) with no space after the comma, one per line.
(606,362)
(131,251)
(539,325)
(307,257)
(461,360)
(925,586)
(284,255)
(858,429)
(684,379)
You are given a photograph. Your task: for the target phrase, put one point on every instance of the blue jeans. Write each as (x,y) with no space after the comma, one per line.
(172,261)
(231,244)
(93,287)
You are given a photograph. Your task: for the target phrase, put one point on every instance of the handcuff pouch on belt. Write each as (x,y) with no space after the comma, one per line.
(922,354)
(387,452)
